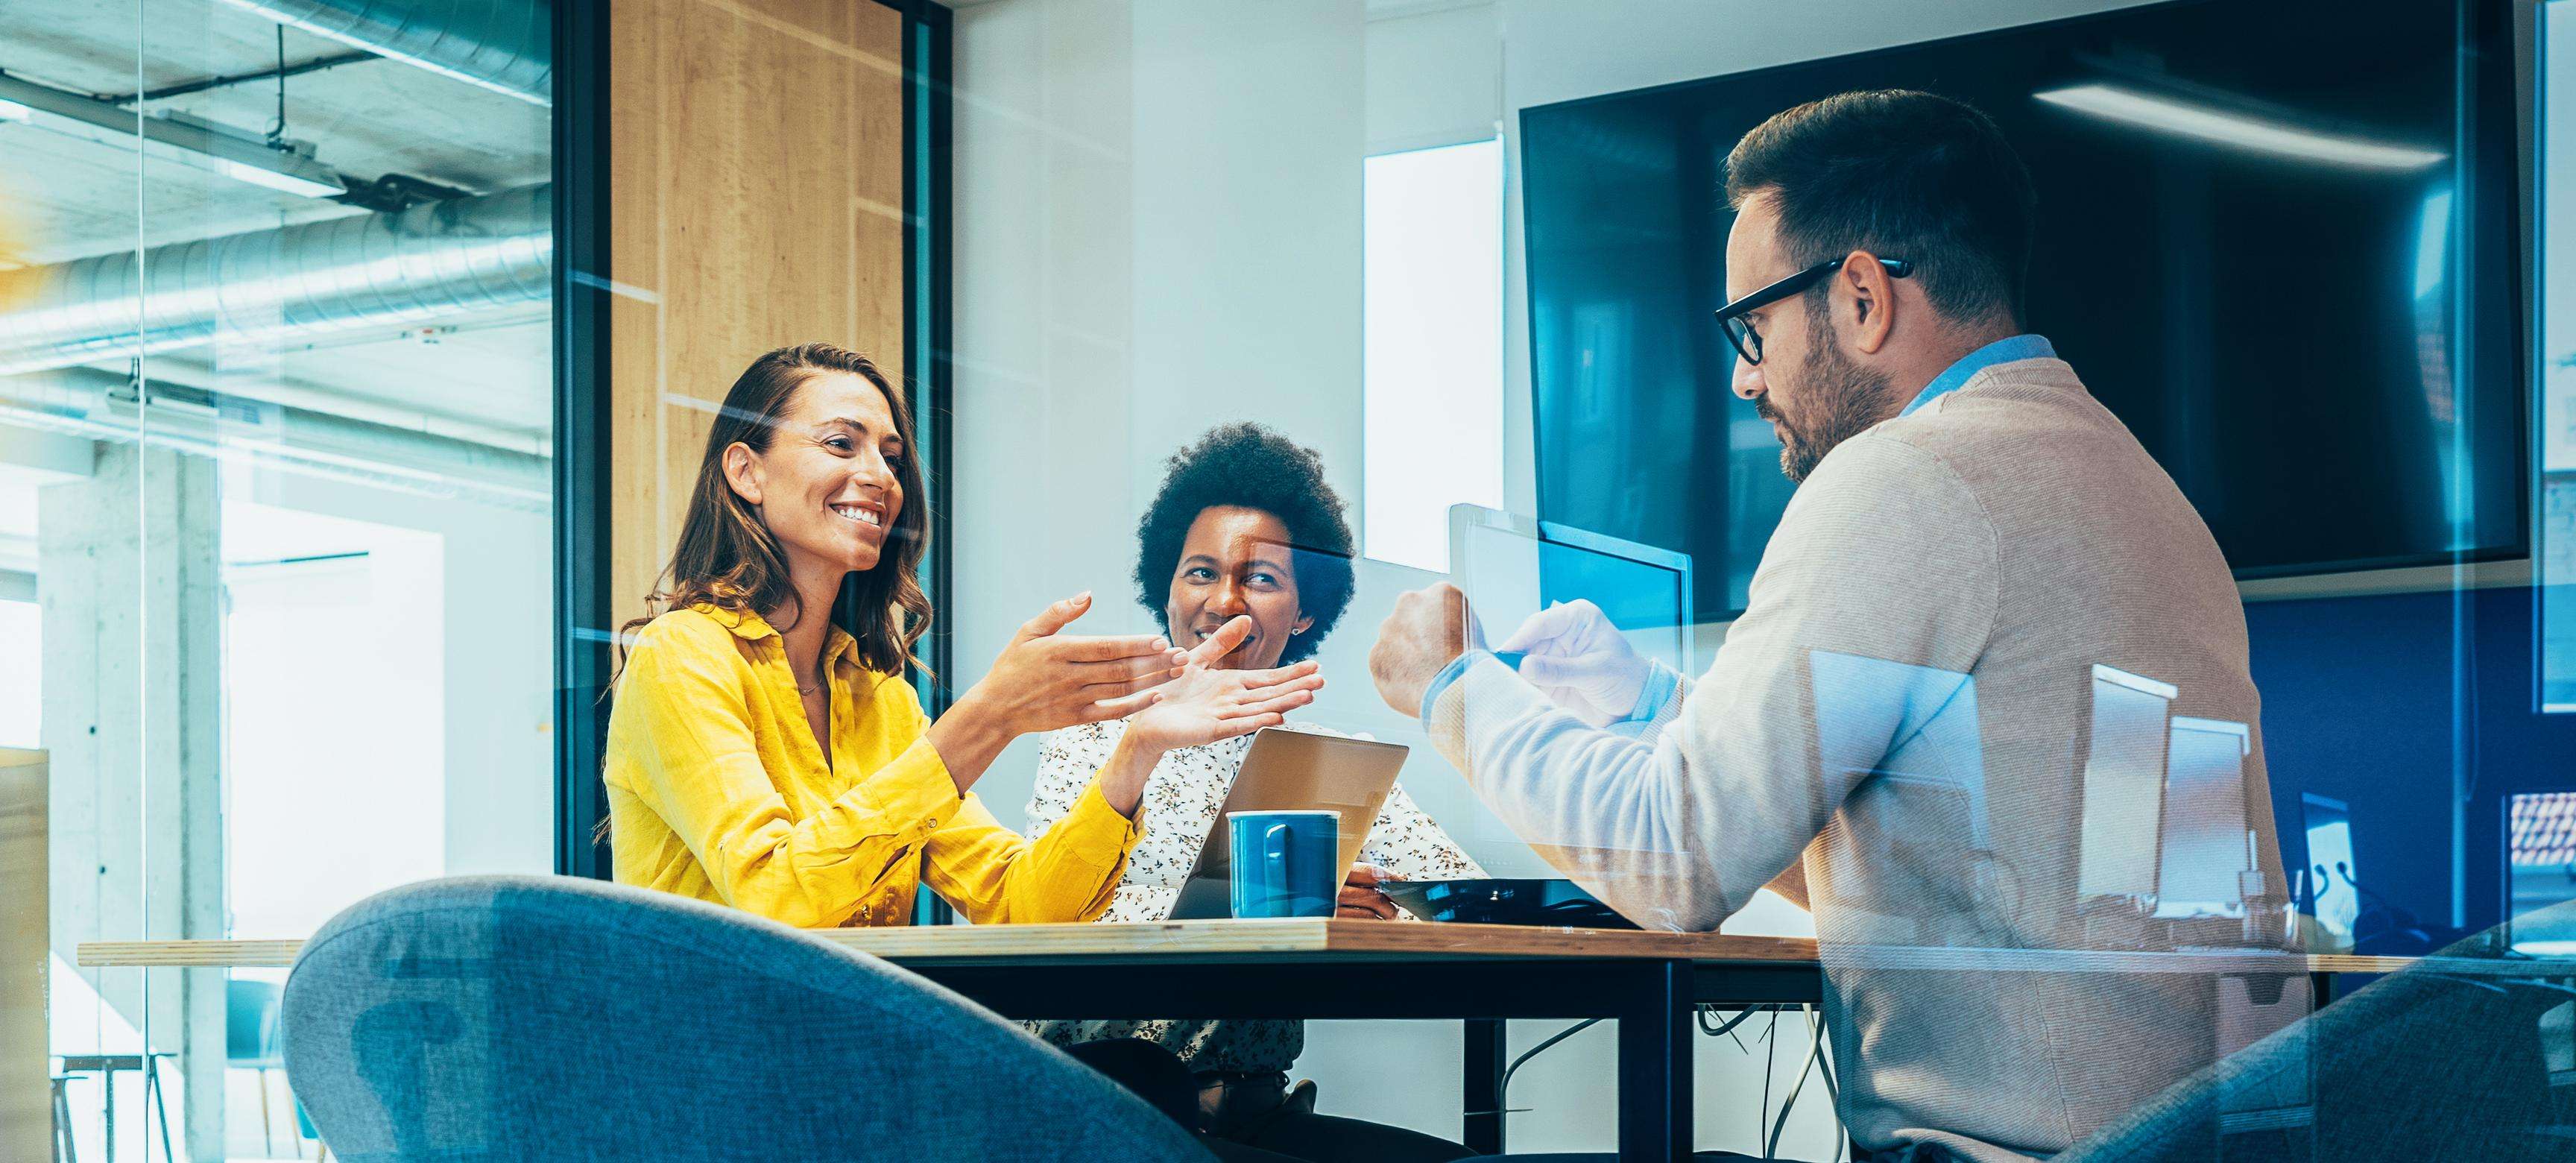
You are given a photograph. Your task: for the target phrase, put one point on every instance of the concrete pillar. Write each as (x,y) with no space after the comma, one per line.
(130,587)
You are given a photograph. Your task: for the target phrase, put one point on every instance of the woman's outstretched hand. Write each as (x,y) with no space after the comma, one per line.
(1045,679)
(1204,705)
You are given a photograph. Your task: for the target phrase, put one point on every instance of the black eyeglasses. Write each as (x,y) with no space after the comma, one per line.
(1739,330)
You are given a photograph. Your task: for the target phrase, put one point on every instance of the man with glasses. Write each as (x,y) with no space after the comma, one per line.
(1897,720)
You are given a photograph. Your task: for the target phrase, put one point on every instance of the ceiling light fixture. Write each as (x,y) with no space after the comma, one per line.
(278,179)
(185,140)
(2237,130)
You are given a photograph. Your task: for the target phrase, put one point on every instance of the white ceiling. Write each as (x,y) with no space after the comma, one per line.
(64,198)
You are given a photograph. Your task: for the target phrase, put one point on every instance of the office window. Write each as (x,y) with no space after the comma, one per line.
(22,645)
(2554,548)
(276,573)
(1433,302)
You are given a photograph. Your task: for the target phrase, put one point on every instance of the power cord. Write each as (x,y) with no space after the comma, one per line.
(1705,1018)
(1815,1047)
(1700,1015)
(1533,1052)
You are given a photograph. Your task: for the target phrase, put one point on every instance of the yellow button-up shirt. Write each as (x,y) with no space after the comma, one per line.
(718,791)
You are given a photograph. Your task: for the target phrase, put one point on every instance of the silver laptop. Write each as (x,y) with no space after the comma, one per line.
(1291,770)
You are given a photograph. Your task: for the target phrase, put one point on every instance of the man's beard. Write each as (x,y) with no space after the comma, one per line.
(1837,400)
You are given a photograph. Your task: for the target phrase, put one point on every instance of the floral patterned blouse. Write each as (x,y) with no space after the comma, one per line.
(1180,805)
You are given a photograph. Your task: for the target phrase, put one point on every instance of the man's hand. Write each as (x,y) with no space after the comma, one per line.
(1429,628)
(1360,896)
(1574,656)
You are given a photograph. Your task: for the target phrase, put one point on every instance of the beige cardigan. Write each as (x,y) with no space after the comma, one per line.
(1912,683)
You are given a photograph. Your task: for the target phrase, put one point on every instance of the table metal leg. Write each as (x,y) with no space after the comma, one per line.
(1487,1053)
(152,1088)
(66,1149)
(1655,1064)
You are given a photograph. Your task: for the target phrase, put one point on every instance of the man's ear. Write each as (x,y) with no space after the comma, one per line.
(742,471)
(1873,300)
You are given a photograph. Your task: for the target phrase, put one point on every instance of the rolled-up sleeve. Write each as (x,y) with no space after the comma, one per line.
(996,876)
(697,766)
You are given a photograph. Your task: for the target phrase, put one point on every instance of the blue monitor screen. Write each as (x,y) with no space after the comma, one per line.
(1511,570)
(2261,229)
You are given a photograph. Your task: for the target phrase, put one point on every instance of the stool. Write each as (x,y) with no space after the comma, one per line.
(108,1066)
(65,1151)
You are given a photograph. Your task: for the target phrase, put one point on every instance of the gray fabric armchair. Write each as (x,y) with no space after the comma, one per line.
(2451,1059)
(549,1018)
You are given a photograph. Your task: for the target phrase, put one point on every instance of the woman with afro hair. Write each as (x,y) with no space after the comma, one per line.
(1244,526)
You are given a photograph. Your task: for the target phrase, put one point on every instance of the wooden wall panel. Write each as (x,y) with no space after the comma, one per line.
(756,159)
(26,950)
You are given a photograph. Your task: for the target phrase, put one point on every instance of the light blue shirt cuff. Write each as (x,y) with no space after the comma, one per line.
(1448,674)
(1661,684)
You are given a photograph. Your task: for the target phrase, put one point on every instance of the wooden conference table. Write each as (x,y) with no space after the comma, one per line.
(1650,983)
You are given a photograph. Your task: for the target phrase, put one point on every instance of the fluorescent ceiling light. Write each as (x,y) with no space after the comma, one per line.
(2237,130)
(13,111)
(187,142)
(277,179)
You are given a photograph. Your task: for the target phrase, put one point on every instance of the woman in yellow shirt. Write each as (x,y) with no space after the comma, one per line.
(763,757)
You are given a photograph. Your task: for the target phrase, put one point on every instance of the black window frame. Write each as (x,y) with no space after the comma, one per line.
(584,638)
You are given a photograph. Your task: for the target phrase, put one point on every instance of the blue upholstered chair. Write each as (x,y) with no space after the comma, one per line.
(546,1018)
(2448,1059)
(250,1039)
(2451,1059)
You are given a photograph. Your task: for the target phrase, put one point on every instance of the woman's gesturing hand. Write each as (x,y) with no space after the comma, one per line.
(1046,679)
(1203,705)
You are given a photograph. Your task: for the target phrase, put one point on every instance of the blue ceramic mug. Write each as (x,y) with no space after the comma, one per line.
(1285,863)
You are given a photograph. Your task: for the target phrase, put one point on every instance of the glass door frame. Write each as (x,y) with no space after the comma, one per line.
(582,416)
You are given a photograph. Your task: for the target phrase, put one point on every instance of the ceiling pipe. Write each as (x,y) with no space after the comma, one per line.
(105,406)
(506,46)
(271,287)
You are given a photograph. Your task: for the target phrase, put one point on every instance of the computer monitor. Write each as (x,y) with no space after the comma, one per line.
(2330,890)
(2124,784)
(2205,845)
(1512,567)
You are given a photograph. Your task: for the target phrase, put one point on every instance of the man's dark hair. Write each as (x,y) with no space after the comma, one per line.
(1904,175)
(1252,467)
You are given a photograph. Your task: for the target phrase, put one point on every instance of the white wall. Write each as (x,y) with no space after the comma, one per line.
(1158,230)
(433,755)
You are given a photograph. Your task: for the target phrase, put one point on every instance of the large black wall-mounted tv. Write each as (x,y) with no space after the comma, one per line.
(2280,240)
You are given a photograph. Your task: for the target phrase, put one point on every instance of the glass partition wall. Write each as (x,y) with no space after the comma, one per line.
(1175,216)
(327,470)
(297,543)
(276,422)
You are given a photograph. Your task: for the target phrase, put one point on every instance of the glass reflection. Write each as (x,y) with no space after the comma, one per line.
(275,427)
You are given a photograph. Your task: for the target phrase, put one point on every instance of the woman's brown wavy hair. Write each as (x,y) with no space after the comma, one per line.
(727,559)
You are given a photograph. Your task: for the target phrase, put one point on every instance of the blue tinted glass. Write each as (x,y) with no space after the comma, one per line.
(2254,143)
